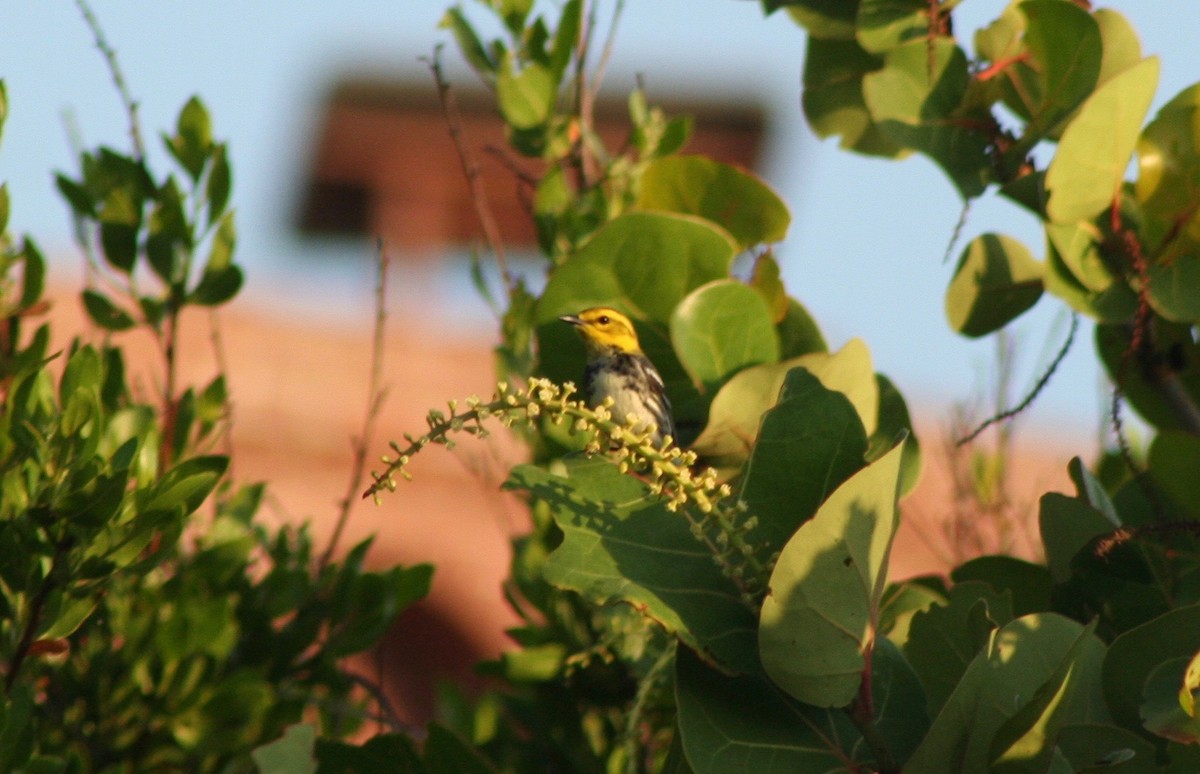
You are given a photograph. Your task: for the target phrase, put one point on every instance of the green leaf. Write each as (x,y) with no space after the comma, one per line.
(105,313)
(885,24)
(290,754)
(833,96)
(1173,288)
(996,280)
(1023,664)
(1025,742)
(446,753)
(1084,177)
(78,196)
(222,278)
(944,639)
(4,206)
(82,373)
(744,723)
(766,281)
(1135,654)
(382,752)
(565,37)
(621,543)
(1145,395)
(1077,245)
(33,274)
(612,267)
(68,618)
(525,98)
(187,484)
(1161,711)
(822,18)
(1028,585)
(219,183)
(809,442)
(721,328)
(1116,304)
(798,332)
(1095,749)
(892,422)
(1173,461)
(1190,685)
(1168,153)
(1063,46)
(469,44)
(1067,525)
(917,99)
(193,140)
(737,201)
(1121,45)
(821,612)
(170,235)
(1091,491)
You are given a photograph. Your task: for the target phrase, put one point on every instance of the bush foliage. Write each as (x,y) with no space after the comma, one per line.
(720,605)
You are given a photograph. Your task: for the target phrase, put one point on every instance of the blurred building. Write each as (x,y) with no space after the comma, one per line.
(384,163)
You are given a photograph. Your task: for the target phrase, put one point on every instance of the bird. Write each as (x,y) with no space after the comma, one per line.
(618,369)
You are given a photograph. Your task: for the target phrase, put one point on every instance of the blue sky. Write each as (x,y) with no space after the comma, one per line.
(867,238)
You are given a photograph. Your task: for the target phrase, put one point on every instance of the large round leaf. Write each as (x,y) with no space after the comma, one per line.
(833,96)
(1095,149)
(996,280)
(917,98)
(734,199)
(1168,181)
(744,723)
(737,409)
(820,617)
(1037,675)
(809,443)
(1175,288)
(643,262)
(1135,654)
(721,328)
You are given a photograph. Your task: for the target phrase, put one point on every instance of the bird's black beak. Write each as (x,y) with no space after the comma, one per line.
(570,318)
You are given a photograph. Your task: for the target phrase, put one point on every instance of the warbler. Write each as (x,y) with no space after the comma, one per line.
(618,369)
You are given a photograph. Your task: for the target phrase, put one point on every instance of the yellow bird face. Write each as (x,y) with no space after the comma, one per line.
(603,329)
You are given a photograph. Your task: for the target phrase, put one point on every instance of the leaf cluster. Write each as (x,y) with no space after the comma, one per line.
(148,621)
(1005,665)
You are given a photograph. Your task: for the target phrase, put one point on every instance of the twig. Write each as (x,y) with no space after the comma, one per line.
(609,40)
(118,78)
(1037,388)
(862,713)
(375,398)
(585,97)
(387,713)
(956,234)
(470,168)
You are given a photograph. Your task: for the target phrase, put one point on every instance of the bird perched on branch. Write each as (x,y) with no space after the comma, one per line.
(618,369)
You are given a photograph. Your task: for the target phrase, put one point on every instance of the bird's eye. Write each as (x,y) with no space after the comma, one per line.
(603,319)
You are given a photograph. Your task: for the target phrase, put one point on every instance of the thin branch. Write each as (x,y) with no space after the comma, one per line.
(956,234)
(118,78)
(375,398)
(1037,388)
(609,41)
(387,713)
(585,97)
(470,167)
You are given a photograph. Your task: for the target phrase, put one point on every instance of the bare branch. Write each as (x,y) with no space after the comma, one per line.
(375,399)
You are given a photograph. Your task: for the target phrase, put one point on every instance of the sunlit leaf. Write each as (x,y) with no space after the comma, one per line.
(1089,165)
(819,618)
